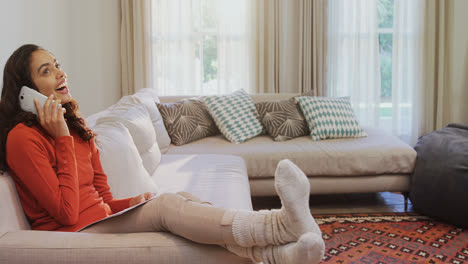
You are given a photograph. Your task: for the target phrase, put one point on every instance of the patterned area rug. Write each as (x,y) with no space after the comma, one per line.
(391,238)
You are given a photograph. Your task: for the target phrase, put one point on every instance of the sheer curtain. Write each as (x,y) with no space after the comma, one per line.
(353,63)
(180,27)
(407,69)
(174,55)
(233,46)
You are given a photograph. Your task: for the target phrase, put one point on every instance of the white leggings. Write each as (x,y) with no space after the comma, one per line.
(182,214)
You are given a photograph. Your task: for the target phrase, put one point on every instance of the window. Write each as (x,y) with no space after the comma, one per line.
(197,46)
(206,50)
(385,30)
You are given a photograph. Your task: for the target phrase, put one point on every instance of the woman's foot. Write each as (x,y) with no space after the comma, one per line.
(278,227)
(293,188)
(309,249)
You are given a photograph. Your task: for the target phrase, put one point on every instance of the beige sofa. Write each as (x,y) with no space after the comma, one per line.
(377,163)
(219,179)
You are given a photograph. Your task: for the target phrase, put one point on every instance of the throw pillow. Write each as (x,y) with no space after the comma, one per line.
(144,97)
(330,117)
(126,175)
(187,120)
(148,97)
(138,122)
(283,119)
(235,115)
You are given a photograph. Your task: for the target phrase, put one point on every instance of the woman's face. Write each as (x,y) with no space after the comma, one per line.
(48,76)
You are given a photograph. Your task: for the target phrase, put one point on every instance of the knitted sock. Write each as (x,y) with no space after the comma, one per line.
(293,188)
(278,227)
(261,228)
(309,249)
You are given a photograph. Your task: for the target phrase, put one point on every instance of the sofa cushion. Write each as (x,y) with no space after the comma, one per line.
(149,98)
(377,154)
(13,217)
(187,120)
(235,115)
(144,98)
(219,179)
(283,119)
(126,175)
(330,117)
(137,120)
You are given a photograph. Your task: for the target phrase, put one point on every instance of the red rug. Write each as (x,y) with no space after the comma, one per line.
(391,238)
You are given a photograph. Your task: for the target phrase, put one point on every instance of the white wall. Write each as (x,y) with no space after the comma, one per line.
(83,35)
(459,67)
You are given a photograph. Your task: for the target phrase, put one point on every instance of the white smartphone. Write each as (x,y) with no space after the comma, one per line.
(26,99)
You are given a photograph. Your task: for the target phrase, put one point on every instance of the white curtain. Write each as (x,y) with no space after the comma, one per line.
(353,63)
(178,30)
(135,45)
(354,66)
(233,46)
(407,69)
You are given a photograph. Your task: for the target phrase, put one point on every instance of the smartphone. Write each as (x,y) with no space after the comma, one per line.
(26,99)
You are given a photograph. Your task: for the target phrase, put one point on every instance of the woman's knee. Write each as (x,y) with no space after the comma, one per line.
(192,198)
(166,198)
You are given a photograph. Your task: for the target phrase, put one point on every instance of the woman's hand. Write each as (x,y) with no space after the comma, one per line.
(51,117)
(141,198)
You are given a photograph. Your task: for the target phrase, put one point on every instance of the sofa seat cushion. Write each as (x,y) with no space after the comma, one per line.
(377,154)
(45,247)
(219,179)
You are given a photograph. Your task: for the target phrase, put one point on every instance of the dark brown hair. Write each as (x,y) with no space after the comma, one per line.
(16,75)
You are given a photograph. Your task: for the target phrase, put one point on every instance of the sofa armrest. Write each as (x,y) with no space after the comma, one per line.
(29,246)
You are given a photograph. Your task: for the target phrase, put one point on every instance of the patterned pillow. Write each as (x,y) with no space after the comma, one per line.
(235,115)
(187,120)
(330,117)
(283,119)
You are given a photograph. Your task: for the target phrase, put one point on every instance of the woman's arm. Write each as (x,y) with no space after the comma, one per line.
(57,191)
(100,183)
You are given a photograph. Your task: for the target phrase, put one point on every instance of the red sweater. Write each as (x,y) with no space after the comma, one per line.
(60,181)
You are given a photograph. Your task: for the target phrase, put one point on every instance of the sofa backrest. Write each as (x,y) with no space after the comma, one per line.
(255,97)
(13,217)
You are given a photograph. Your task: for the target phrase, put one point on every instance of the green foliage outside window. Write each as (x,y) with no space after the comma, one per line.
(210,60)
(385,14)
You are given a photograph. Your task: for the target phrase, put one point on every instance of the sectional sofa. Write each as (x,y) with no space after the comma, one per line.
(134,143)
(376,163)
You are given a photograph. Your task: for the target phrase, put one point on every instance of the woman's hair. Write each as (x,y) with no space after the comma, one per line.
(16,75)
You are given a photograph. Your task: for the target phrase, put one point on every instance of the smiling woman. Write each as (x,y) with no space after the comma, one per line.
(34,67)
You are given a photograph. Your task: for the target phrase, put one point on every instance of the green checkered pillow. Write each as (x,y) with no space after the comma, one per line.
(235,115)
(330,117)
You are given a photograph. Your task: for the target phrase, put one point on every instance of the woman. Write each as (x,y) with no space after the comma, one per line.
(55,165)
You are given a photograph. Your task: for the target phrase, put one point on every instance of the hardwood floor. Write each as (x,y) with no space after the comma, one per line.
(383,202)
